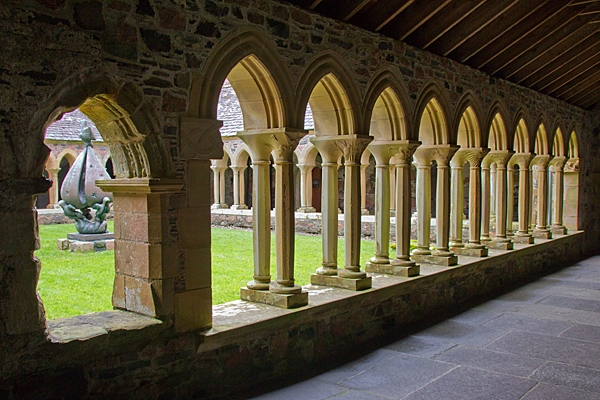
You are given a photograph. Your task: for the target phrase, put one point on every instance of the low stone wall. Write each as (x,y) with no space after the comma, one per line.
(120,355)
(310,223)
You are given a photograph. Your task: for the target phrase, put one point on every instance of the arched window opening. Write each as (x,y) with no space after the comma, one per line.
(571,185)
(331,109)
(110,168)
(77,275)
(43,199)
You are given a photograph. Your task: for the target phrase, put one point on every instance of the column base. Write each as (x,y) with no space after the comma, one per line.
(364,211)
(542,233)
(445,260)
(239,207)
(470,251)
(342,283)
(274,299)
(500,244)
(525,239)
(219,206)
(559,230)
(307,210)
(406,268)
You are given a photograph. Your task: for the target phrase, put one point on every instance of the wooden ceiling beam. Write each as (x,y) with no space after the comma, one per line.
(573,74)
(592,99)
(534,61)
(562,64)
(451,15)
(379,16)
(552,40)
(502,24)
(578,85)
(585,99)
(470,25)
(517,37)
(342,10)
(413,17)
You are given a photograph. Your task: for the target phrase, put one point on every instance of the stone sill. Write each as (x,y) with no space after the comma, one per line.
(234,320)
(105,328)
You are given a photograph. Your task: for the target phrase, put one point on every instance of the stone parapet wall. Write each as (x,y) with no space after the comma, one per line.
(310,223)
(123,355)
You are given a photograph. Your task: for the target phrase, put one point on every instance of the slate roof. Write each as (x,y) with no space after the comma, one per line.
(230,113)
(69,126)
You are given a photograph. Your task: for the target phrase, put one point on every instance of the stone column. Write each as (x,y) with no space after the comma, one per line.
(493,193)
(238,188)
(457,200)
(219,184)
(363,189)
(351,147)
(54,190)
(510,201)
(283,292)
(500,158)
(383,152)
(523,160)
(474,157)
(557,168)
(542,230)
(393,186)
(485,200)
(306,188)
(442,154)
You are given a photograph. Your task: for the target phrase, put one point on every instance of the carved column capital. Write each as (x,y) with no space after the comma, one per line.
(332,148)
(523,160)
(558,163)
(401,150)
(541,161)
(442,154)
(279,141)
(572,165)
(498,157)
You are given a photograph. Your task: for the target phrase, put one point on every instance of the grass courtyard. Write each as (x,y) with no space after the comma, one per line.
(79,283)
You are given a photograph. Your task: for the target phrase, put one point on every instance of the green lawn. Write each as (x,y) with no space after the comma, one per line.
(78,283)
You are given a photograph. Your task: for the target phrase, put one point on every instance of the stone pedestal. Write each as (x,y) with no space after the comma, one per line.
(504,244)
(393,268)
(481,251)
(307,210)
(445,260)
(559,230)
(239,207)
(342,283)
(525,239)
(542,233)
(87,243)
(275,299)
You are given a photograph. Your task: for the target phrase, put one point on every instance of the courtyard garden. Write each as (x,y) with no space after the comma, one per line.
(78,283)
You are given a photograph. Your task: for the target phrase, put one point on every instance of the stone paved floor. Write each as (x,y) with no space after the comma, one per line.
(541,341)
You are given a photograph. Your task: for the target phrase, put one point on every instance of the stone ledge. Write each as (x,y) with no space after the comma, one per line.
(446,261)
(469,251)
(102,326)
(235,320)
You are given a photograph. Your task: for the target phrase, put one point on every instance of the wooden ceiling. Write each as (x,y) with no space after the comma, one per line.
(552,46)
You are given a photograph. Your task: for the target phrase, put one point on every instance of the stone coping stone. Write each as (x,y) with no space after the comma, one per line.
(112,327)
(90,237)
(339,282)
(236,319)
(275,299)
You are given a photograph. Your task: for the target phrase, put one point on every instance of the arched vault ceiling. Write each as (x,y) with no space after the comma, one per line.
(552,46)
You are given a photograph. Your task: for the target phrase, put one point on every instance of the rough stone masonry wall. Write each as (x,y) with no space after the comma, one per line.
(151,49)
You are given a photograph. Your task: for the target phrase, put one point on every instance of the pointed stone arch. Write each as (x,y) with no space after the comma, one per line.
(467,122)
(497,137)
(385,108)
(573,149)
(522,142)
(331,91)
(70,154)
(541,144)
(431,117)
(257,74)
(558,142)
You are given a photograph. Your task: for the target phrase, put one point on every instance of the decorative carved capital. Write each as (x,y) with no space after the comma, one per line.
(400,150)
(572,165)
(353,148)
(498,157)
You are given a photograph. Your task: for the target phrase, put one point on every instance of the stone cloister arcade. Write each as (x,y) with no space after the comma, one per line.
(154,101)
(431,137)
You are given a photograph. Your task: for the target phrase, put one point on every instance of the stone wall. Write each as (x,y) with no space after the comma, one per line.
(139,68)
